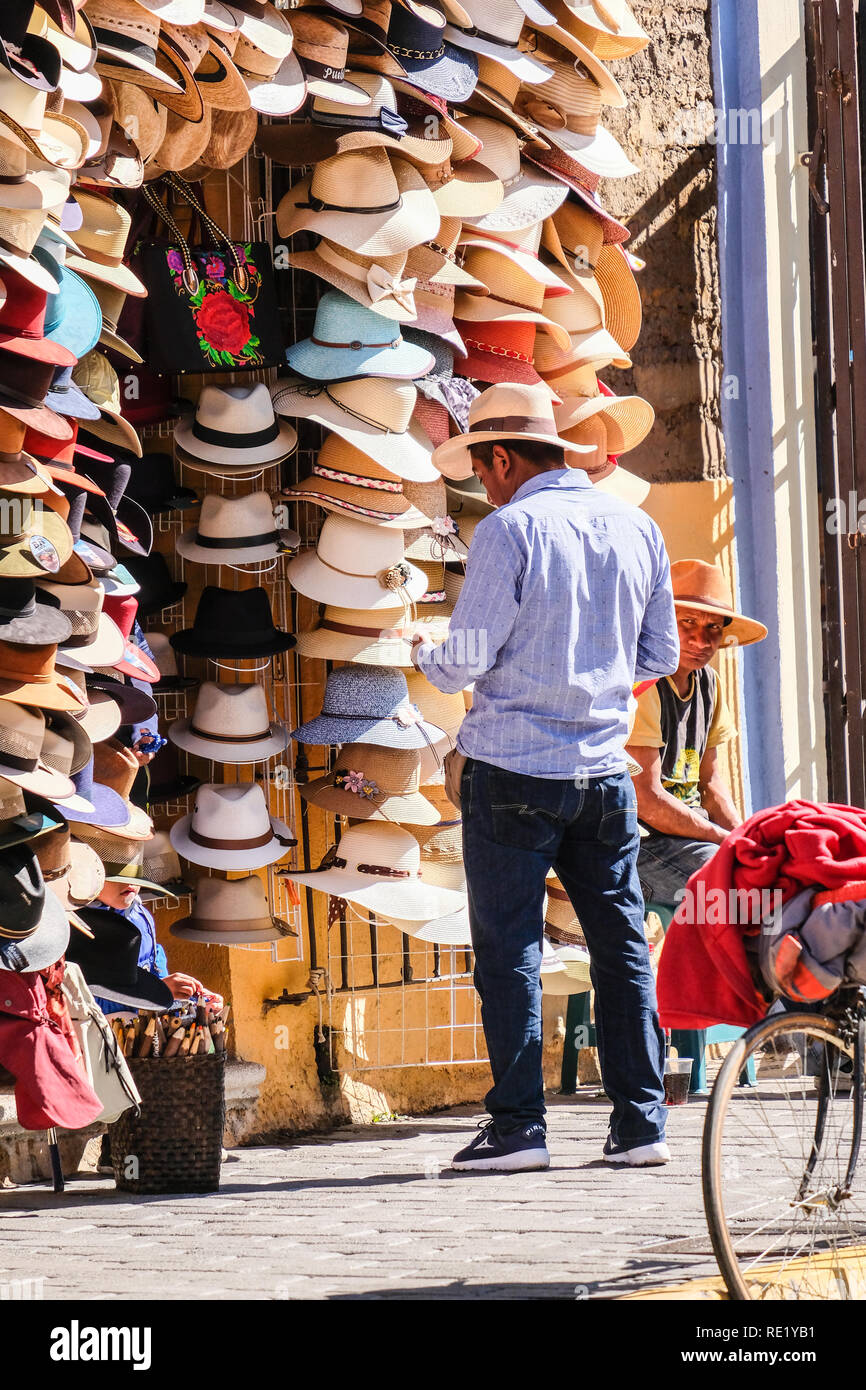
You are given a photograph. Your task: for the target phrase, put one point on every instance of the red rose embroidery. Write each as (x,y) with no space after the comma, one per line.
(223,322)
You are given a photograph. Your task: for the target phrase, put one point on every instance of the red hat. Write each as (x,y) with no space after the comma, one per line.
(22,323)
(50,1087)
(58,458)
(499,352)
(136,663)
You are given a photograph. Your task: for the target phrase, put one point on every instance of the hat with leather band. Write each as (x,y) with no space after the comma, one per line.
(377,282)
(352,634)
(236,531)
(230,827)
(368,706)
(128,36)
(505,412)
(356,564)
(350,341)
(230,724)
(494,29)
(234,427)
(231,912)
(373,783)
(345,480)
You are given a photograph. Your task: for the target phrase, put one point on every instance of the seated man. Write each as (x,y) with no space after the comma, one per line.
(683,799)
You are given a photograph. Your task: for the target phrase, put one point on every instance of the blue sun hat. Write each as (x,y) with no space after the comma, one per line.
(443,69)
(349,341)
(74,320)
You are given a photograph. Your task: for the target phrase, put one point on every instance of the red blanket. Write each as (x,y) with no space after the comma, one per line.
(703,974)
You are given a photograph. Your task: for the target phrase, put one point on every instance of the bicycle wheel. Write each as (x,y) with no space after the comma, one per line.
(774,1174)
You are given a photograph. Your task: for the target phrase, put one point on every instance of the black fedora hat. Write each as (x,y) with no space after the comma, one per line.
(109,961)
(34,927)
(156,588)
(29,616)
(133,528)
(232,623)
(154,486)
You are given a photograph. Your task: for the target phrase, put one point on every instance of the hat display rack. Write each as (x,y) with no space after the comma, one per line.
(289,479)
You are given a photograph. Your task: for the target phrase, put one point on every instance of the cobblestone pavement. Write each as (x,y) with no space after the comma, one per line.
(368,1212)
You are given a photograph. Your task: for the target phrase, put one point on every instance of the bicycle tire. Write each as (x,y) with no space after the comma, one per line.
(728,1125)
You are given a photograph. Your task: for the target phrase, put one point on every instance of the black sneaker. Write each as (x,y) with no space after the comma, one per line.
(521,1152)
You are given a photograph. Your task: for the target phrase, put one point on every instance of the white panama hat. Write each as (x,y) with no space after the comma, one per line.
(231,913)
(235,426)
(357,565)
(230,724)
(230,828)
(235,531)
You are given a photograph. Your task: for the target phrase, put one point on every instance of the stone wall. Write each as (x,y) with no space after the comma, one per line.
(670,207)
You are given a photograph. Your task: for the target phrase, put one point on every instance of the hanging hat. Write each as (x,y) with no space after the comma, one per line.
(236,531)
(71,870)
(345,480)
(235,427)
(561,923)
(49,136)
(568,171)
(516,296)
(442,865)
(438,260)
(358,565)
(22,735)
(109,704)
(698,585)
(521,246)
(363,200)
(377,866)
(34,930)
(322,43)
(154,487)
(562,32)
(373,414)
(494,29)
(94,640)
(575,236)
(111,300)
(367,706)
(95,803)
(129,526)
(164,658)
(263,55)
(182,145)
(377,282)
(30,616)
(23,816)
(428,60)
(530,194)
(568,113)
(28,56)
(233,624)
(352,634)
(102,239)
(109,962)
(372,783)
(607,27)
(231,913)
(463,190)
(501,413)
(99,381)
(446,712)
(230,724)
(107,782)
(156,588)
(130,51)
(497,91)
(56,456)
(76,45)
(166,781)
(134,662)
(230,828)
(595,348)
(627,419)
(218,81)
(231,135)
(26,182)
(161,865)
(24,385)
(34,540)
(123,862)
(351,341)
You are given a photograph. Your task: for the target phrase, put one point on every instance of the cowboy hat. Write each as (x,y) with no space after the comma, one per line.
(230,828)
(699,585)
(230,724)
(236,531)
(130,49)
(231,913)
(362,705)
(95,639)
(51,136)
(34,540)
(505,412)
(102,239)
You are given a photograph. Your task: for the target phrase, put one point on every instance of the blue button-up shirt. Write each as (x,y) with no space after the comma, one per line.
(566,603)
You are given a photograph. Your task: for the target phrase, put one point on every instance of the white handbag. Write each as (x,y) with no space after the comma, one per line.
(106,1066)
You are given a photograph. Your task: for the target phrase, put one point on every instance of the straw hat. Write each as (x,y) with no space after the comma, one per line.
(235,531)
(230,828)
(377,282)
(563,33)
(378,866)
(20,229)
(216,80)
(371,783)
(463,190)
(231,136)
(362,200)
(352,634)
(521,247)
(100,383)
(446,712)
(22,737)
(516,296)
(608,27)
(566,169)
(349,340)
(29,183)
(359,565)
(231,913)
(627,419)
(699,585)
(530,194)
(230,724)
(183,144)
(494,29)
(367,706)
(568,113)
(501,413)
(586,344)
(50,136)
(94,640)
(372,414)
(500,351)
(161,865)
(345,480)
(129,48)
(34,540)
(497,91)
(140,115)
(322,44)
(226,420)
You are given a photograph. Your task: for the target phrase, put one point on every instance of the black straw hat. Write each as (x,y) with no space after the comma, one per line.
(109,961)
(232,623)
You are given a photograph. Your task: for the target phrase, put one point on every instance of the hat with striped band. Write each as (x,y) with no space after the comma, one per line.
(373,413)
(344,479)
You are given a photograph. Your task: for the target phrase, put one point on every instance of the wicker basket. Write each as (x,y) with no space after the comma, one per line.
(177,1139)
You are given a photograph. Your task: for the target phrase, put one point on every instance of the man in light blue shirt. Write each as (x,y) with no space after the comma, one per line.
(566,604)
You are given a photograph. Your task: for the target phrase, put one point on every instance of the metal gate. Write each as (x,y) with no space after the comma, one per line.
(835,29)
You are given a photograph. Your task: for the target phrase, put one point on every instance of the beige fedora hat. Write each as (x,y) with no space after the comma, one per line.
(494,29)
(627,419)
(230,724)
(356,564)
(576,239)
(607,27)
(373,783)
(531,194)
(234,427)
(353,634)
(102,239)
(503,412)
(697,584)
(230,827)
(378,867)
(373,413)
(345,480)
(442,864)
(377,282)
(231,913)
(235,531)
(363,200)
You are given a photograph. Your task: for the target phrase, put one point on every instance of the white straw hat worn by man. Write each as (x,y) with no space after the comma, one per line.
(566,603)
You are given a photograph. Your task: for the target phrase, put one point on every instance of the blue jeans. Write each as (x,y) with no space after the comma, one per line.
(514,829)
(665,864)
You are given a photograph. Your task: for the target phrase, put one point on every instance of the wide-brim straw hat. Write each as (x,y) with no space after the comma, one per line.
(596,349)
(231,135)
(446,712)
(490,308)
(230,827)
(562,33)
(599,152)
(463,190)
(608,27)
(502,23)
(395,852)
(530,194)
(404,210)
(627,419)
(23,734)
(225,419)
(345,480)
(625,485)
(521,248)
(575,237)
(370,782)
(129,49)
(377,282)
(699,585)
(230,724)
(352,634)
(372,414)
(355,565)
(231,913)
(363,706)
(500,413)
(42,542)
